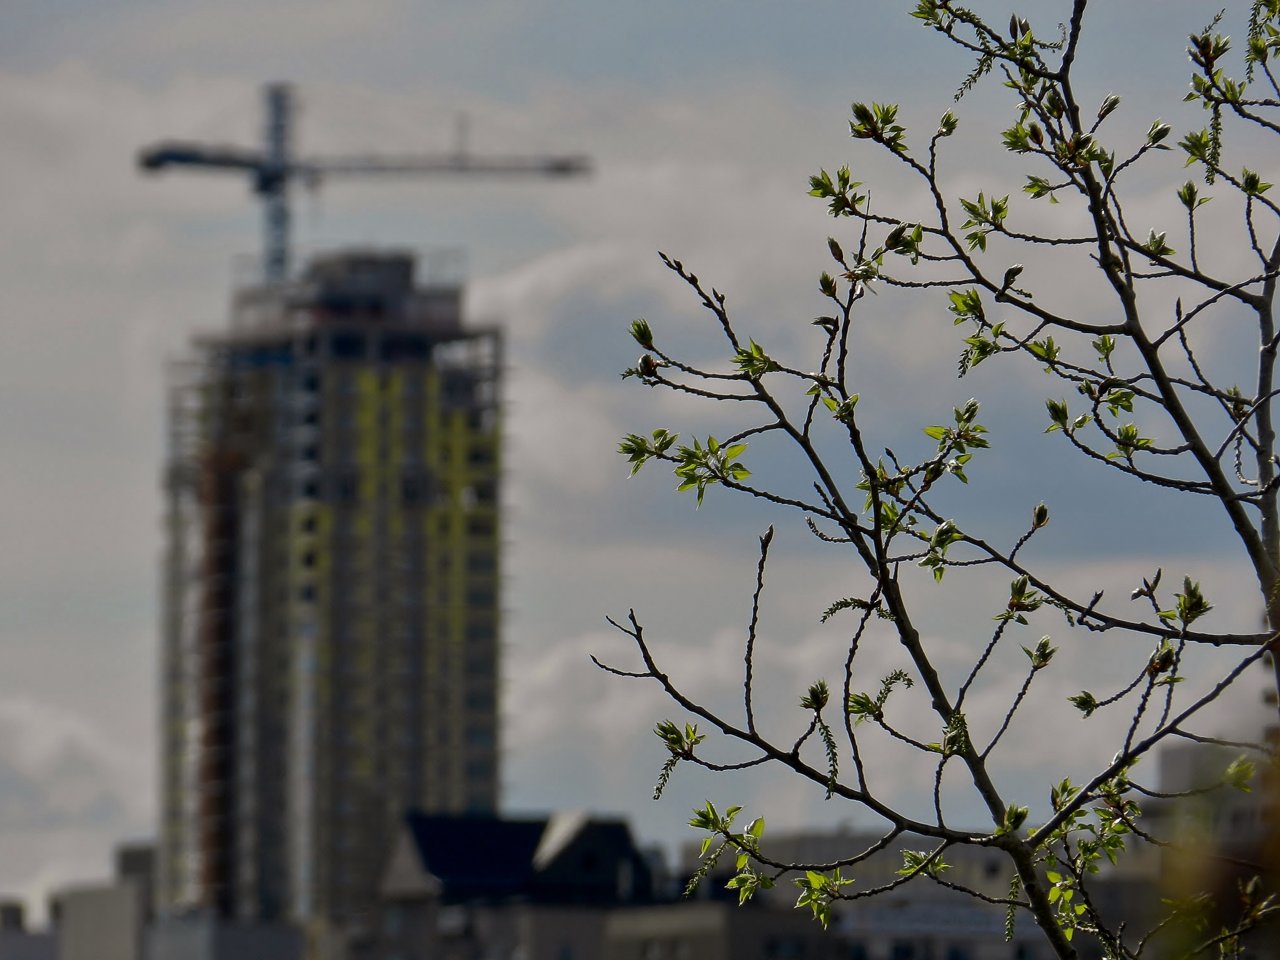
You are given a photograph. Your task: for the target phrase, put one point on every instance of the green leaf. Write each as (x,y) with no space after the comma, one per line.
(920,861)
(843,411)
(754,362)
(1085,702)
(1039,187)
(642,334)
(848,603)
(1156,246)
(1045,350)
(861,706)
(817,696)
(1057,415)
(1190,197)
(878,122)
(1041,655)
(1198,146)
(1014,817)
(1191,604)
(1240,775)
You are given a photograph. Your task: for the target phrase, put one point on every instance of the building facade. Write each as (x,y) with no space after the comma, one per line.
(330,650)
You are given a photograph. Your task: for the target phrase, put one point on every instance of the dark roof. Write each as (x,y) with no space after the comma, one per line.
(477,855)
(566,858)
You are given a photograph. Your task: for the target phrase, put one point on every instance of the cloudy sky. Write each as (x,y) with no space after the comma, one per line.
(704,120)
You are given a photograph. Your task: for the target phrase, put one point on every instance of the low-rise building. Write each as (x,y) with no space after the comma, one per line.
(19,943)
(487,886)
(204,936)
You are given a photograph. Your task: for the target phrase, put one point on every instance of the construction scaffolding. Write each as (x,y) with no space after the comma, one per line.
(332,587)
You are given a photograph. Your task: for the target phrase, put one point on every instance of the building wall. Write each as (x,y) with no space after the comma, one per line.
(208,938)
(27,945)
(719,931)
(101,923)
(550,932)
(331,645)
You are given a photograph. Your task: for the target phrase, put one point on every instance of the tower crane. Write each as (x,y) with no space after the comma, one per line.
(273,168)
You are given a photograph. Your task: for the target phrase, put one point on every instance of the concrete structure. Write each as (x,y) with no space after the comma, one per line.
(101,922)
(105,921)
(19,943)
(330,652)
(136,864)
(717,930)
(28,945)
(13,915)
(206,937)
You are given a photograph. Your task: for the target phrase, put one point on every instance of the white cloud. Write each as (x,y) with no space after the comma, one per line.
(529,297)
(54,745)
(68,795)
(560,439)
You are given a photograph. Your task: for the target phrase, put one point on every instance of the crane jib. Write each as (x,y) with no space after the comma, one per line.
(273,167)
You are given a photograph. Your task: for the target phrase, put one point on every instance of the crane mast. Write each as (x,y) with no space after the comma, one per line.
(273,168)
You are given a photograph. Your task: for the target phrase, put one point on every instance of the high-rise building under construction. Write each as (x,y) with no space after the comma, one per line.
(330,651)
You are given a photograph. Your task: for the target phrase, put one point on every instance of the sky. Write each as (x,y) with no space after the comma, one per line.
(704,121)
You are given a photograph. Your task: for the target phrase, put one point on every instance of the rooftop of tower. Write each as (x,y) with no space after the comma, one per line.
(355,286)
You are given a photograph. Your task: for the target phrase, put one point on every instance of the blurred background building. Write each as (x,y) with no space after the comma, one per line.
(330,651)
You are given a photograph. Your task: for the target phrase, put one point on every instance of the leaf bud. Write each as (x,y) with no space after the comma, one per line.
(1039,516)
(836,251)
(1054,104)
(1158,131)
(642,334)
(1014,817)
(648,366)
(1161,660)
(1085,702)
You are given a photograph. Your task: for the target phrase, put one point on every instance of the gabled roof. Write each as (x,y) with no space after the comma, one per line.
(565,858)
